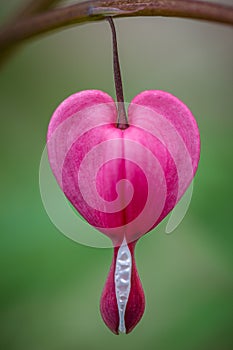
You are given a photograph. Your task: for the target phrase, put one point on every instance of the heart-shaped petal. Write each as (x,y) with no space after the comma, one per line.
(123,182)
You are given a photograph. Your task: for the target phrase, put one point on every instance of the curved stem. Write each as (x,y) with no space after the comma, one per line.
(31,8)
(98,10)
(122,122)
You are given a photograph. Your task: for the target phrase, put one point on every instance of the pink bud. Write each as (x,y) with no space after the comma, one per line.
(123,182)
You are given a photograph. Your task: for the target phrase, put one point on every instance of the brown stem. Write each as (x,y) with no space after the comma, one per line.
(31,8)
(97,10)
(122,122)
(34,7)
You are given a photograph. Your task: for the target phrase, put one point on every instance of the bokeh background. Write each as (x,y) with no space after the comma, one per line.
(50,286)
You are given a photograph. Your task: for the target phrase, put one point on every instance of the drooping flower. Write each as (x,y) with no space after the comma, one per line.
(123,181)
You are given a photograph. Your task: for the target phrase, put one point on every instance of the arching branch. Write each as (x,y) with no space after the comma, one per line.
(97,10)
(29,9)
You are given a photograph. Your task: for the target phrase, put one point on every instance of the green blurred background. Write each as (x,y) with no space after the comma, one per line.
(50,286)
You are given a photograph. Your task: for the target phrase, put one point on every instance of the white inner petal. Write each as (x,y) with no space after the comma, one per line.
(123,281)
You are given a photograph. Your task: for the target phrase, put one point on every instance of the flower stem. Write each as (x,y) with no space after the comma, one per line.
(122,122)
(29,9)
(97,10)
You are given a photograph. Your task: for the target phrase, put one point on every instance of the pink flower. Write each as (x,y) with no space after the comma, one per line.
(123,182)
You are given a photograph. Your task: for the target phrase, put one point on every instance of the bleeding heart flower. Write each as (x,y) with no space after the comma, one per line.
(123,182)
(123,176)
